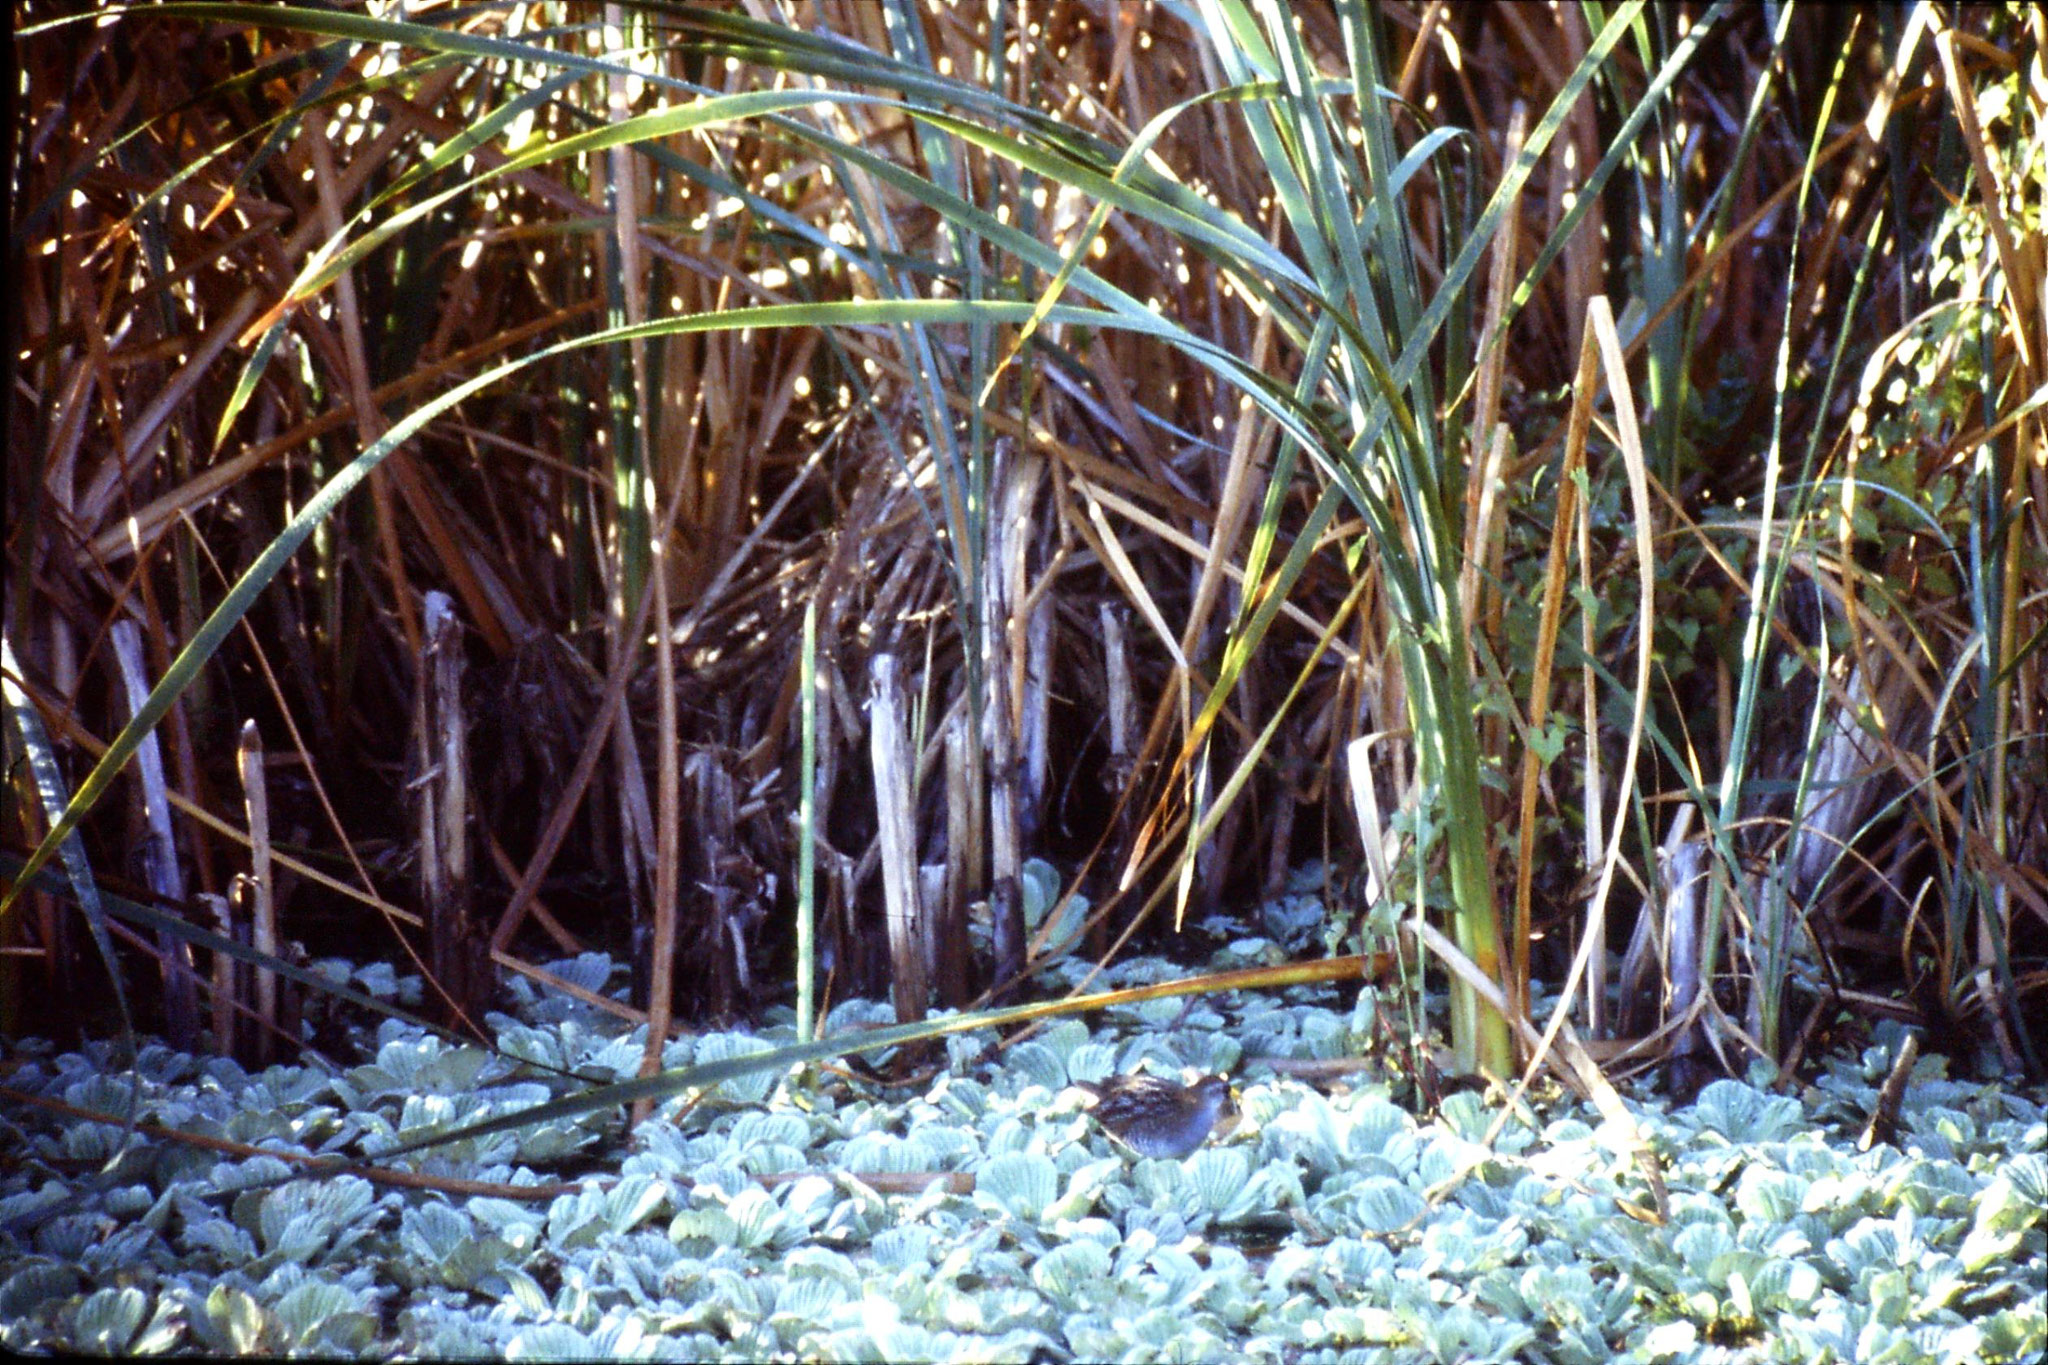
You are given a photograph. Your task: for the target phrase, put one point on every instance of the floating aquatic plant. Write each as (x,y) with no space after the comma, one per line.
(741,1228)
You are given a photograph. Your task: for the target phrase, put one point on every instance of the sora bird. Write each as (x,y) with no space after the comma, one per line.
(1155,1117)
